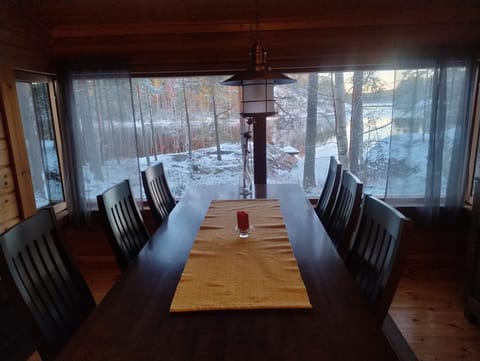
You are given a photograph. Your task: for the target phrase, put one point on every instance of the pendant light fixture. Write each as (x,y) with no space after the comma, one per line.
(257,84)
(257,103)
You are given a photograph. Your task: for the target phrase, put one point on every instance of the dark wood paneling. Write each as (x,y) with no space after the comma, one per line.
(215,35)
(24,40)
(286,49)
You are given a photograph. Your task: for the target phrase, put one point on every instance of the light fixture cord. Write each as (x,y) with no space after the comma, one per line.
(254,25)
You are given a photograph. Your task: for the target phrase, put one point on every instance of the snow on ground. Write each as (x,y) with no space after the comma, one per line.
(397,167)
(203,167)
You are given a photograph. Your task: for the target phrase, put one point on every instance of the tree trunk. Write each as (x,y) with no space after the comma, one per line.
(153,144)
(187,118)
(145,152)
(91,136)
(311,132)
(356,125)
(340,121)
(215,122)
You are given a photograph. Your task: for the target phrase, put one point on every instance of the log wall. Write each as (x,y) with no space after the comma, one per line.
(24,44)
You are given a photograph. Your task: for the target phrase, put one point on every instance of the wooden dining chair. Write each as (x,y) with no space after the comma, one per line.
(123,223)
(378,253)
(346,212)
(159,196)
(40,275)
(329,193)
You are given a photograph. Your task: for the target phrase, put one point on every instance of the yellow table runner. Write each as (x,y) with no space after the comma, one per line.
(226,272)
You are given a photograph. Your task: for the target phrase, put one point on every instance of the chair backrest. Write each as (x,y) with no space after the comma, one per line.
(325,203)
(159,196)
(49,289)
(346,212)
(378,253)
(123,222)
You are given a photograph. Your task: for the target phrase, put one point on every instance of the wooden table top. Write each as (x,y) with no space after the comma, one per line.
(133,322)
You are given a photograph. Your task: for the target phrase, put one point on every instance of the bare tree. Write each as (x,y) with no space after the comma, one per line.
(356,127)
(311,132)
(91,138)
(338,89)
(215,120)
(187,118)
(145,151)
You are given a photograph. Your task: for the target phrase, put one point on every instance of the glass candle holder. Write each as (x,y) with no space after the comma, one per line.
(243,224)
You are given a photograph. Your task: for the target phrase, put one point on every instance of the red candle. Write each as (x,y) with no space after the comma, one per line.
(242,220)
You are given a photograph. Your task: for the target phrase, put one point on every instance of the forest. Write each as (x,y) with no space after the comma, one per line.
(379,124)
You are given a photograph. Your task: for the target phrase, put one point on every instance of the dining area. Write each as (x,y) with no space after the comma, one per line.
(201,287)
(370,257)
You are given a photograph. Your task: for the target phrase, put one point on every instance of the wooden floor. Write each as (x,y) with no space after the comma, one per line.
(428,310)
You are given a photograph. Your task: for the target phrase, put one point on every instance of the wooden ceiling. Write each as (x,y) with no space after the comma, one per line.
(215,35)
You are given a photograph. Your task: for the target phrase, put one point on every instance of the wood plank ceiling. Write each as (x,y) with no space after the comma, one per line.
(215,35)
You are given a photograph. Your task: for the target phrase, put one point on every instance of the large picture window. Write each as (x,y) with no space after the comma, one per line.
(402,131)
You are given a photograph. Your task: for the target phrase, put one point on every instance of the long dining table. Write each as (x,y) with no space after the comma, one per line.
(134,323)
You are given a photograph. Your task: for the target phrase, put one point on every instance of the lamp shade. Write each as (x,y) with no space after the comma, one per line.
(257,84)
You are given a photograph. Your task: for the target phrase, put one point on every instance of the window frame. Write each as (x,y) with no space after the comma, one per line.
(475,137)
(26,76)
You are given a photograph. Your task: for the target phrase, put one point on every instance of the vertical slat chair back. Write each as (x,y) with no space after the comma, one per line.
(327,198)
(123,223)
(40,274)
(346,212)
(159,196)
(378,253)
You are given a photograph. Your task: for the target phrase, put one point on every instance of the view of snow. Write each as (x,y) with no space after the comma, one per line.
(203,167)
(406,150)
(167,117)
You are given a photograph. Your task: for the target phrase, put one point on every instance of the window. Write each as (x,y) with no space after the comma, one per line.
(34,96)
(402,131)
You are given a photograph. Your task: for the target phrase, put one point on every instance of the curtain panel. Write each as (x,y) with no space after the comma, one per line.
(436,145)
(100,135)
(411,144)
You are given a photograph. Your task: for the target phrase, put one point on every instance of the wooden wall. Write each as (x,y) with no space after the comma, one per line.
(15,345)
(9,214)
(24,44)
(215,35)
(24,41)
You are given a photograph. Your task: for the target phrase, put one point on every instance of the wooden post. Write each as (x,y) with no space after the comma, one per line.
(260,149)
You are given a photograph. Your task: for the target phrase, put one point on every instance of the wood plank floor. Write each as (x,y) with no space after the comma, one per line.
(428,310)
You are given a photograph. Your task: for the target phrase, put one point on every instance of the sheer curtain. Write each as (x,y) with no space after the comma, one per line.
(414,142)
(433,118)
(100,130)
